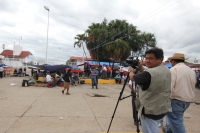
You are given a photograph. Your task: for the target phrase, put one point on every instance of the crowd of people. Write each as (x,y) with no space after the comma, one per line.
(20,72)
(157,91)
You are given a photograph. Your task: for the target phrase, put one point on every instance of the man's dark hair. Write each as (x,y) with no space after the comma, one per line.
(69,70)
(156,51)
(178,60)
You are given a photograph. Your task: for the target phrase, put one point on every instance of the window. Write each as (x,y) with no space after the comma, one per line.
(195,61)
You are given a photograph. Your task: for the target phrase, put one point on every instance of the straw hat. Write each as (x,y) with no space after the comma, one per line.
(177,56)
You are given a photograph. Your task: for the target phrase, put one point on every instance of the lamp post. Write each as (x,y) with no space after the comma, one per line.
(45,7)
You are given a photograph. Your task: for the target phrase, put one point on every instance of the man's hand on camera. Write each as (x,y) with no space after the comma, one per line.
(131,70)
(141,66)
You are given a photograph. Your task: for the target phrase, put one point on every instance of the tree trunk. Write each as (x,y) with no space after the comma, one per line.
(113,63)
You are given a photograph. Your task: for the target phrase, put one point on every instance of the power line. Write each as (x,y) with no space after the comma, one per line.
(158,12)
(102,44)
(153,11)
(179,16)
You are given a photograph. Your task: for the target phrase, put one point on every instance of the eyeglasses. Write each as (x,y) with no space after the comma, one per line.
(150,59)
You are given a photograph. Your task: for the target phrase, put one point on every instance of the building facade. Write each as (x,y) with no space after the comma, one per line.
(23,59)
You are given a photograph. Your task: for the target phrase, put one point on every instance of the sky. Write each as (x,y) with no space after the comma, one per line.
(175,24)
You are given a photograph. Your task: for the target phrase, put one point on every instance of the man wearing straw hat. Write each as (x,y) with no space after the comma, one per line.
(182,93)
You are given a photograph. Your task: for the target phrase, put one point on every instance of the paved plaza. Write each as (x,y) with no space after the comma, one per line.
(46,110)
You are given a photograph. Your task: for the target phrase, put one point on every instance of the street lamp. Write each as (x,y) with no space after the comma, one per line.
(45,7)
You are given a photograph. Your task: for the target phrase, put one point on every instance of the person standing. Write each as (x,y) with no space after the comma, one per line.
(109,71)
(1,71)
(20,72)
(49,80)
(93,78)
(67,81)
(24,71)
(182,93)
(48,77)
(121,71)
(153,95)
(113,72)
(97,72)
(104,72)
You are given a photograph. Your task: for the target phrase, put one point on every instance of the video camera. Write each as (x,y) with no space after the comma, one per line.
(133,61)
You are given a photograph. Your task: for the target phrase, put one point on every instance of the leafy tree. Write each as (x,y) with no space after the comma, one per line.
(114,40)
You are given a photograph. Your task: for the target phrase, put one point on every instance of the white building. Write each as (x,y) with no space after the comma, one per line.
(193,61)
(23,59)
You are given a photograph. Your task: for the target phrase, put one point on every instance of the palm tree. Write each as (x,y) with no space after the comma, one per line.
(148,40)
(114,40)
(79,40)
(118,50)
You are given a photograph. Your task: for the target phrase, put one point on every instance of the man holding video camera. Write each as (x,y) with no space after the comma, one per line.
(153,95)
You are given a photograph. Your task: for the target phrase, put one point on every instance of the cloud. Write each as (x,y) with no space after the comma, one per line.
(174,23)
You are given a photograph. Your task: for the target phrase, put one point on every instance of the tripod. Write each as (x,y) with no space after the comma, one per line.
(138,130)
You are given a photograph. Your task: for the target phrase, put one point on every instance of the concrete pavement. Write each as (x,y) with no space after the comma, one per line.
(46,110)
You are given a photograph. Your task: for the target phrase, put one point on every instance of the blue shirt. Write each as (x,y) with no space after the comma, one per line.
(197,74)
(117,77)
(93,74)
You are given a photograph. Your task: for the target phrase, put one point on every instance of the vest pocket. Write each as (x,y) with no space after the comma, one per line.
(137,104)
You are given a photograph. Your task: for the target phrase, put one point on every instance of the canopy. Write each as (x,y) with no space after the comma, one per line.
(1,65)
(53,68)
(75,67)
(169,65)
(50,68)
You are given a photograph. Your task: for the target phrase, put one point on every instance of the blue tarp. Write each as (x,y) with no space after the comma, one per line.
(53,68)
(1,65)
(50,68)
(75,67)
(169,65)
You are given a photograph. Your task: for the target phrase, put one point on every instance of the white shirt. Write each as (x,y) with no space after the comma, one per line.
(57,76)
(124,77)
(104,68)
(183,83)
(48,78)
(132,82)
(1,69)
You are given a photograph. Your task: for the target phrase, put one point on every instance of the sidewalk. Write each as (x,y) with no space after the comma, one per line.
(46,110)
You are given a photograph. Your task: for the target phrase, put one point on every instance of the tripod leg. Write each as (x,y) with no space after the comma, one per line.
(136,117)
(118,103)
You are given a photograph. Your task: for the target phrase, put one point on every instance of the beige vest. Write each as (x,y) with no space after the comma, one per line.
(156,99)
